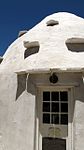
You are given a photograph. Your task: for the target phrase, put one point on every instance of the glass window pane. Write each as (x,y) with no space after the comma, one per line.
(55,96)
(64,118)
(55,118)
(64,96)
(46,118)
(55,107)
(46,107)
(64,107)
(46,96)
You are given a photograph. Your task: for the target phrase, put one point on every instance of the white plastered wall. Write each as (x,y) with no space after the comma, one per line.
(17,117)
(79,118)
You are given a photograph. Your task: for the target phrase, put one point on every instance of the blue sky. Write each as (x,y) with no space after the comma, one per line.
(17,15)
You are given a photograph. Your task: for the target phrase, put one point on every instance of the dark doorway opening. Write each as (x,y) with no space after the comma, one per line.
(53,143)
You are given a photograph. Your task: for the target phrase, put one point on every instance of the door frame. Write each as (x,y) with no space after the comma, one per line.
(69,139)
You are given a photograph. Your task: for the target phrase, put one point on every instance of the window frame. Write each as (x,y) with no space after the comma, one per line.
(50,110)
(39,124)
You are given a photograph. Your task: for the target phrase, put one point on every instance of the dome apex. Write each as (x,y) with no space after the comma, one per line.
(53,52)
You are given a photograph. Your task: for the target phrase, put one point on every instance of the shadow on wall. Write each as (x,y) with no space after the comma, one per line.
(1,59)
(30,51)
(22,85)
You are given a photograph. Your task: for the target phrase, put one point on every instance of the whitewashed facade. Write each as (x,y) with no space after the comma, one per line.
(42,87)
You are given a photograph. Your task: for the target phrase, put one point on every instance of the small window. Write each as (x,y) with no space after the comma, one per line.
(75,44)
(52,23)
(55,107)
(31,48)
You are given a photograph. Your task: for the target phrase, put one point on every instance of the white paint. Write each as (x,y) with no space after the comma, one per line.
(53,51)
(17,117)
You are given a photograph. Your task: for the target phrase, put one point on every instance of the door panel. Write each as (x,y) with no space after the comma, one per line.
(53,144)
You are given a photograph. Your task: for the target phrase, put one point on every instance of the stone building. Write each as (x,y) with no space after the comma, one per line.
(42,87)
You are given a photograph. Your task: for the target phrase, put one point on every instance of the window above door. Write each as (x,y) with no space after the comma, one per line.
(55,107)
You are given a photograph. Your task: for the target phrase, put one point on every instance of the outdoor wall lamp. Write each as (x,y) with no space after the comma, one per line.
(53,78)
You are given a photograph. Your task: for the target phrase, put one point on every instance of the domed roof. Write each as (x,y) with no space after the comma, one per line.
(57,42)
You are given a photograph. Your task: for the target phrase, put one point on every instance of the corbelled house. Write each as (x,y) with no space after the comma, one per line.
(42,87)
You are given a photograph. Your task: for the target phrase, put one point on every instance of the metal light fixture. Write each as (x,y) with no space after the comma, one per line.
(53,78)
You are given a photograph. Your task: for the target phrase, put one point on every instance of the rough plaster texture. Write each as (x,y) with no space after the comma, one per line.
(18,99)
(53,51)
(16,117)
